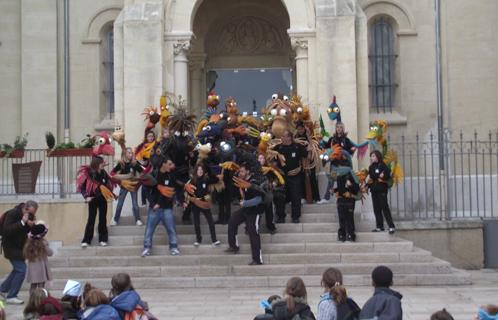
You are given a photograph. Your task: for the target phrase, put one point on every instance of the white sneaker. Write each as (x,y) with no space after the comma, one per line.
(103,244)
(174,252)
(113,222)
(14,300)
(146,252)
(196,244)
(323,201)
(139,223)
(84,245)
(216,243)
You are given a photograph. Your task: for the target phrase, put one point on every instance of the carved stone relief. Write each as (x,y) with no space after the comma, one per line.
(248,35)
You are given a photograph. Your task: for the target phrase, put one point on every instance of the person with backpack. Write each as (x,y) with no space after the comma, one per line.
(294,306)
(379,175)
(385,303)
(335,303)
(15,225)
(126,300)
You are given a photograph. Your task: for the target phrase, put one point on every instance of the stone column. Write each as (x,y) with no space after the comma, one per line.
(180,50)
(300,45)
(197,92)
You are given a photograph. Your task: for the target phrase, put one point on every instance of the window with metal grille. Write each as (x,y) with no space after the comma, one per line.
(108,62)
(382,58)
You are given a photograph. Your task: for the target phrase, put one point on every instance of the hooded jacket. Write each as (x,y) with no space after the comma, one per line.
(384,305)
(280,311)
(100,312)
(126,302)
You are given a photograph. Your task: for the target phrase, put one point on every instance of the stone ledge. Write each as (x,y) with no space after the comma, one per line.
(393,118)
(439,225)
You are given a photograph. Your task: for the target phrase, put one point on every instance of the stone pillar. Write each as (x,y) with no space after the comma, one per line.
(300,45)
(197,92)
(180,50)
(138,67)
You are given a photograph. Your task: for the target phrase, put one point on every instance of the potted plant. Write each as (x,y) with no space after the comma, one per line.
(15,151)
(69,149)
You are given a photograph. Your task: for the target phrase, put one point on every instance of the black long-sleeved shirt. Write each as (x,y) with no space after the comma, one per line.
(167,179)
(293,154)
(374,171)
(345,193)
(127,167)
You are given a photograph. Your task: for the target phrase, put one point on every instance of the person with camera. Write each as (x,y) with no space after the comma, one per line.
(15,226)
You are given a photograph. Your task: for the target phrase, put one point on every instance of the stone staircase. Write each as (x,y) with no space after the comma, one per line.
(305,249)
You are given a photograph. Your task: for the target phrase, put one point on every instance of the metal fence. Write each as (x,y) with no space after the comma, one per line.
(56,179)
(463,183)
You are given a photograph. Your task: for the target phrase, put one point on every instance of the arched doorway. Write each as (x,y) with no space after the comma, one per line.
(241,49)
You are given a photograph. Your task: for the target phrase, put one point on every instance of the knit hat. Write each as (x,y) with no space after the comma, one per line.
(38,231)
(50,301)
(382,276)
(72,289)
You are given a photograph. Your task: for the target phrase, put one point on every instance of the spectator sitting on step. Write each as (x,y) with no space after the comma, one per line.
(335,304)
(71,299)
(441,315)
(385,303)
(487,312)
(50,309)
(294,303)
(95,305)
(266,304)
(123,296)
(35,298)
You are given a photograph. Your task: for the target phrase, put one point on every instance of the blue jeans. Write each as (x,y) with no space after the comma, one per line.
(134,203)
(330,185)
(12,284)
(153,218)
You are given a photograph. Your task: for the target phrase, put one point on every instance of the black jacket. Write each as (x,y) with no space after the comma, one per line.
(379,184)
(15,234)
(293,154)
(385,305)
(127,167)
(280,311)
(344,193)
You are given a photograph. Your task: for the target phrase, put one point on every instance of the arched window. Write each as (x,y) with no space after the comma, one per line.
(108,70)
(382,62)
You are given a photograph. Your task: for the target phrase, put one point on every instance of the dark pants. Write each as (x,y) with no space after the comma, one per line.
(293,192)
(101,204)
(12,284)
(345,209)
(144,192)
(224,199)
(315,193)
(269,217)
(251,218)
(196,212)
(381,206)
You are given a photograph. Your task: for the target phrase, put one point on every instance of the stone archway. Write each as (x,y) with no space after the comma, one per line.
(246,35)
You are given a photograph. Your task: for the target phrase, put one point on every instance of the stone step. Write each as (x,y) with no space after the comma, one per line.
(435,267)
(324,227)
(188,239)
(267,248)
(241,259)
(305,218)
(456,277)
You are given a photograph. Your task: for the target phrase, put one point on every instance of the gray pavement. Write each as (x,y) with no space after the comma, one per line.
(418,302)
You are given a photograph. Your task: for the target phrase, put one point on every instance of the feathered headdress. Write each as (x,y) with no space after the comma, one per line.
(181,121)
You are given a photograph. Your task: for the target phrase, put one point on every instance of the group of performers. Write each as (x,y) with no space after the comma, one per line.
(258,161)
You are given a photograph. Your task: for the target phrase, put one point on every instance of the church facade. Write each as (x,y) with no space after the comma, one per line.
(377,56)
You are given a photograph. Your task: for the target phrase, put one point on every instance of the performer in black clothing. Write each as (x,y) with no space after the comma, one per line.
(379,175)
(200,199)
(347,189)
(251,199)
(310,174)
(293,153)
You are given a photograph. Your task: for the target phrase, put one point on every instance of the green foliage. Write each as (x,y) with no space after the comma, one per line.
(21,142)
(87,142)
(50,139)
(63,146)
